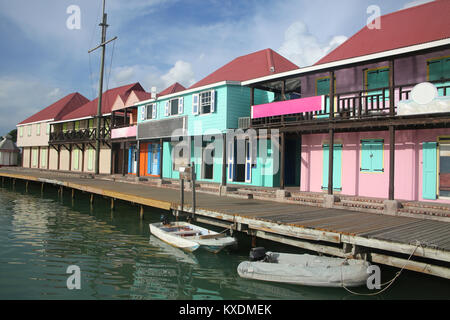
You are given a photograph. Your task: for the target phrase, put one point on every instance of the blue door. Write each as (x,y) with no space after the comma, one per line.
(337,167)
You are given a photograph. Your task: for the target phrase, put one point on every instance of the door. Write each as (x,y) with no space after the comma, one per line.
(377,79)
(429,173)
(337,167)
(155,159)
(444,170)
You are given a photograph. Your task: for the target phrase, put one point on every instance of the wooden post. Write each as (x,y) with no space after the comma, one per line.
(391,88)
(26,185)
(224,158)
(282,159)
(161,155)
(29,158)
(331,95)
(73,194)
(59,157)
(61,189)
(253,241)
(182,194)
(48,158)
(82,157)
(193,187)
(391,161)
(91,200)
(123,157)
(141,212)
(14,184)
(138,167)
(112,204)
(70,157)
(39,157)
(330,161)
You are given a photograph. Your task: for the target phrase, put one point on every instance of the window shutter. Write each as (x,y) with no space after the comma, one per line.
(213,100)
(154,111)
(366,159)
(144,113)
(326,156)
(248,161)
(166,109)
(195,98)
(180,105)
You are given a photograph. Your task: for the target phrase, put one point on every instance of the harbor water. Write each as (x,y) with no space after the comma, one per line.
(41,235)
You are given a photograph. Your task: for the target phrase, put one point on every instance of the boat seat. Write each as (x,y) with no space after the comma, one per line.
(186,233)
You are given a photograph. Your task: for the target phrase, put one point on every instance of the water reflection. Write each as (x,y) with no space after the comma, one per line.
(119,259)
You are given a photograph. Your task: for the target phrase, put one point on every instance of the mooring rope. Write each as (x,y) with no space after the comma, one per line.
(388,283)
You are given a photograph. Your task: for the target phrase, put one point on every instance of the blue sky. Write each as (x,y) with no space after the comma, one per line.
(159,42)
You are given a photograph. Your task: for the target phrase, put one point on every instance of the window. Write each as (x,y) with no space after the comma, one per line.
(174,107)
(438,69)
(372,155)
(204,102)
(48,129)
(44,158)
(90,165)
(29,130)
(150,110)
(20,131)
(38,129)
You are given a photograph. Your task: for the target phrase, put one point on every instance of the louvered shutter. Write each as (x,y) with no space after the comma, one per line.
(213,100)
(154,111)
(166,109)
(195,98)
(180,105)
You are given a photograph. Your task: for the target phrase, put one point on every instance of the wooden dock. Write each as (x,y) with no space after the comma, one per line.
(416,244)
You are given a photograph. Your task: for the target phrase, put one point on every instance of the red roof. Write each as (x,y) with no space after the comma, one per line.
(176,87)
(142,95)
(108,99)
(407,27)
(58,109)
(258,64)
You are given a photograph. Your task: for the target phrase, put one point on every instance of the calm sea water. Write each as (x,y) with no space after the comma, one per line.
(40,236)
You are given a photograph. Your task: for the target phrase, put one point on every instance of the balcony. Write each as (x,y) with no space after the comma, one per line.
(356,105)
(124,132)
(79,136)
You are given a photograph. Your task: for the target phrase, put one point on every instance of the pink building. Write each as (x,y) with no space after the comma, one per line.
(357,107)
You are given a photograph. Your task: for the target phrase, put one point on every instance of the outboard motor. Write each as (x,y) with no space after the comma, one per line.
(257,254)
(164,219)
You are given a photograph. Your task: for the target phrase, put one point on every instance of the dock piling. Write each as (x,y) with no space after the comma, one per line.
(112,204)
(141,212)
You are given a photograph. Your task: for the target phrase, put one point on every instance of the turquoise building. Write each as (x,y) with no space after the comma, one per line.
(184,126)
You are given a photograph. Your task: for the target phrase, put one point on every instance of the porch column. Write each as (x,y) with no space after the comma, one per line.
(330,160)
(59,157)
(161,155)
(82,157)
(124,149)
(331,96)
(138,166)
(125,116)
(391,88)
(391,161)
(224,153)
(70,157)
(282,159)
(48,158)
(113,119)
(39,158)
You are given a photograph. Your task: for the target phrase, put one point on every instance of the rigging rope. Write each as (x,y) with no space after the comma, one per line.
(388,283)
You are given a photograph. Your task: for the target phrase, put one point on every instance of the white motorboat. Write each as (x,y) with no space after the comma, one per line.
(191,237)
(305,269)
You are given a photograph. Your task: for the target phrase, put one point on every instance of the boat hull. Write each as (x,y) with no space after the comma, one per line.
(307,270)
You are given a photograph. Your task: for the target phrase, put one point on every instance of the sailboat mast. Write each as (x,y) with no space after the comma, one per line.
(104,25)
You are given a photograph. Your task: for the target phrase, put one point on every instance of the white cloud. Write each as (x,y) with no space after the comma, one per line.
(303,48)
(181,72)
(21,97)
(415,3)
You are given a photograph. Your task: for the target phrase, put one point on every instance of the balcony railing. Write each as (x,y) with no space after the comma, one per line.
(349,105)
(82,135)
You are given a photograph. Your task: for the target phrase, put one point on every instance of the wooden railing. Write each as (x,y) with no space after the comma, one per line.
(353,105)
(82,135)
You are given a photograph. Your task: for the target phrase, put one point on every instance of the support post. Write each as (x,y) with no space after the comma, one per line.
(141,212)
(39,158)
(48,158)
(253,241)
(73,194)
(330,162)
(391,88)
(391,161)
(138,167)
(26,185)
(123,157)
(193,187)
(332,95)
(182,194)
(113,207)
(161,157)
(70,157)
(82,157)
(91,200)
(282,159)
(59,157)
(29,158)
(224,158)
